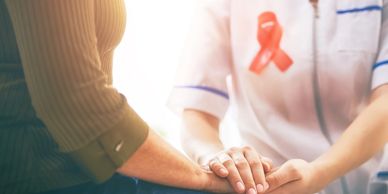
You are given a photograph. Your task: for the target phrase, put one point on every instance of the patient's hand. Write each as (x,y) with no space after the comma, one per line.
(243,167)
(215,184)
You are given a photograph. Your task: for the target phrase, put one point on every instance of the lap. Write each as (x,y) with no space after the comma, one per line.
(124,185)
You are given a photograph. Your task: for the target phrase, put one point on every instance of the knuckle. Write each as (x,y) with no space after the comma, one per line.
(297,174)
(240,163)
(294,171)
(290,166)
(234,177)
(228,163)
(254,163)
(217,170)
(216,166)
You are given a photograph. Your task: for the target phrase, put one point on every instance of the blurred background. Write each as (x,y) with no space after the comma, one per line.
(147,58)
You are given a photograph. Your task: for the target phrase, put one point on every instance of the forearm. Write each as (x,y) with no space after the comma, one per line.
(156,161)
(364,138)
(200,135)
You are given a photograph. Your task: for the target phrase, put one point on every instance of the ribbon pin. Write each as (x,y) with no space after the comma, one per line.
(269,35)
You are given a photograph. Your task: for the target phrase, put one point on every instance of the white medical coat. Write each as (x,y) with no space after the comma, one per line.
(276,111)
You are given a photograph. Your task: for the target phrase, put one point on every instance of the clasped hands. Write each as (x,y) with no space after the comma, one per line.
(249,172)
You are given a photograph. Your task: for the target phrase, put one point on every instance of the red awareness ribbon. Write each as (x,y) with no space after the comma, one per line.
(269,36)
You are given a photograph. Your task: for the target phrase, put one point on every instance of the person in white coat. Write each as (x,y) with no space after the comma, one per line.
(306,82)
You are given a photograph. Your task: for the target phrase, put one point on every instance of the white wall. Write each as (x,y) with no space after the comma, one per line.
(147,58)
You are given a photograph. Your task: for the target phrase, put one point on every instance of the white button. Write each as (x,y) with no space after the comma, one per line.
(119,146)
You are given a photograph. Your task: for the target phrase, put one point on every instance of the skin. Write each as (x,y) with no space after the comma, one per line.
(243,167)
(156,161)
(298,176)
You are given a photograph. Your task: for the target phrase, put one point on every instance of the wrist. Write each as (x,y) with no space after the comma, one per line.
(204,182)
(214,184)
(323,171)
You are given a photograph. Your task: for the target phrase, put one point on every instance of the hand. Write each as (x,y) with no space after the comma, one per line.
(243,167)
(295,176)
(215,184)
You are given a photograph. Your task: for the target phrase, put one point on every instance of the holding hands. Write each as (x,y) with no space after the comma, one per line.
(244,169)
(249,172)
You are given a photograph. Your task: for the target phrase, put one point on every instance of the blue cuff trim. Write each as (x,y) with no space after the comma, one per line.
(208,89)
(382,174)
(381,63)
(368,8)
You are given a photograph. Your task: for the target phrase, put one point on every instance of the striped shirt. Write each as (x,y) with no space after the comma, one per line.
(61,121)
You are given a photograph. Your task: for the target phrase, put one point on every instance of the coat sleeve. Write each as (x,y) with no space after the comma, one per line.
(206,62)
(380,68)
(85,115)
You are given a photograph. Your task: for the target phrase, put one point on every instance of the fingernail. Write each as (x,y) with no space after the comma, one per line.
(251,191)
(240,186)
(266,186)
(260,188)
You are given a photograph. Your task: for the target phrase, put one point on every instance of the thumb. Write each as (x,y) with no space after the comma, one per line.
(267,164)
(285,174)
